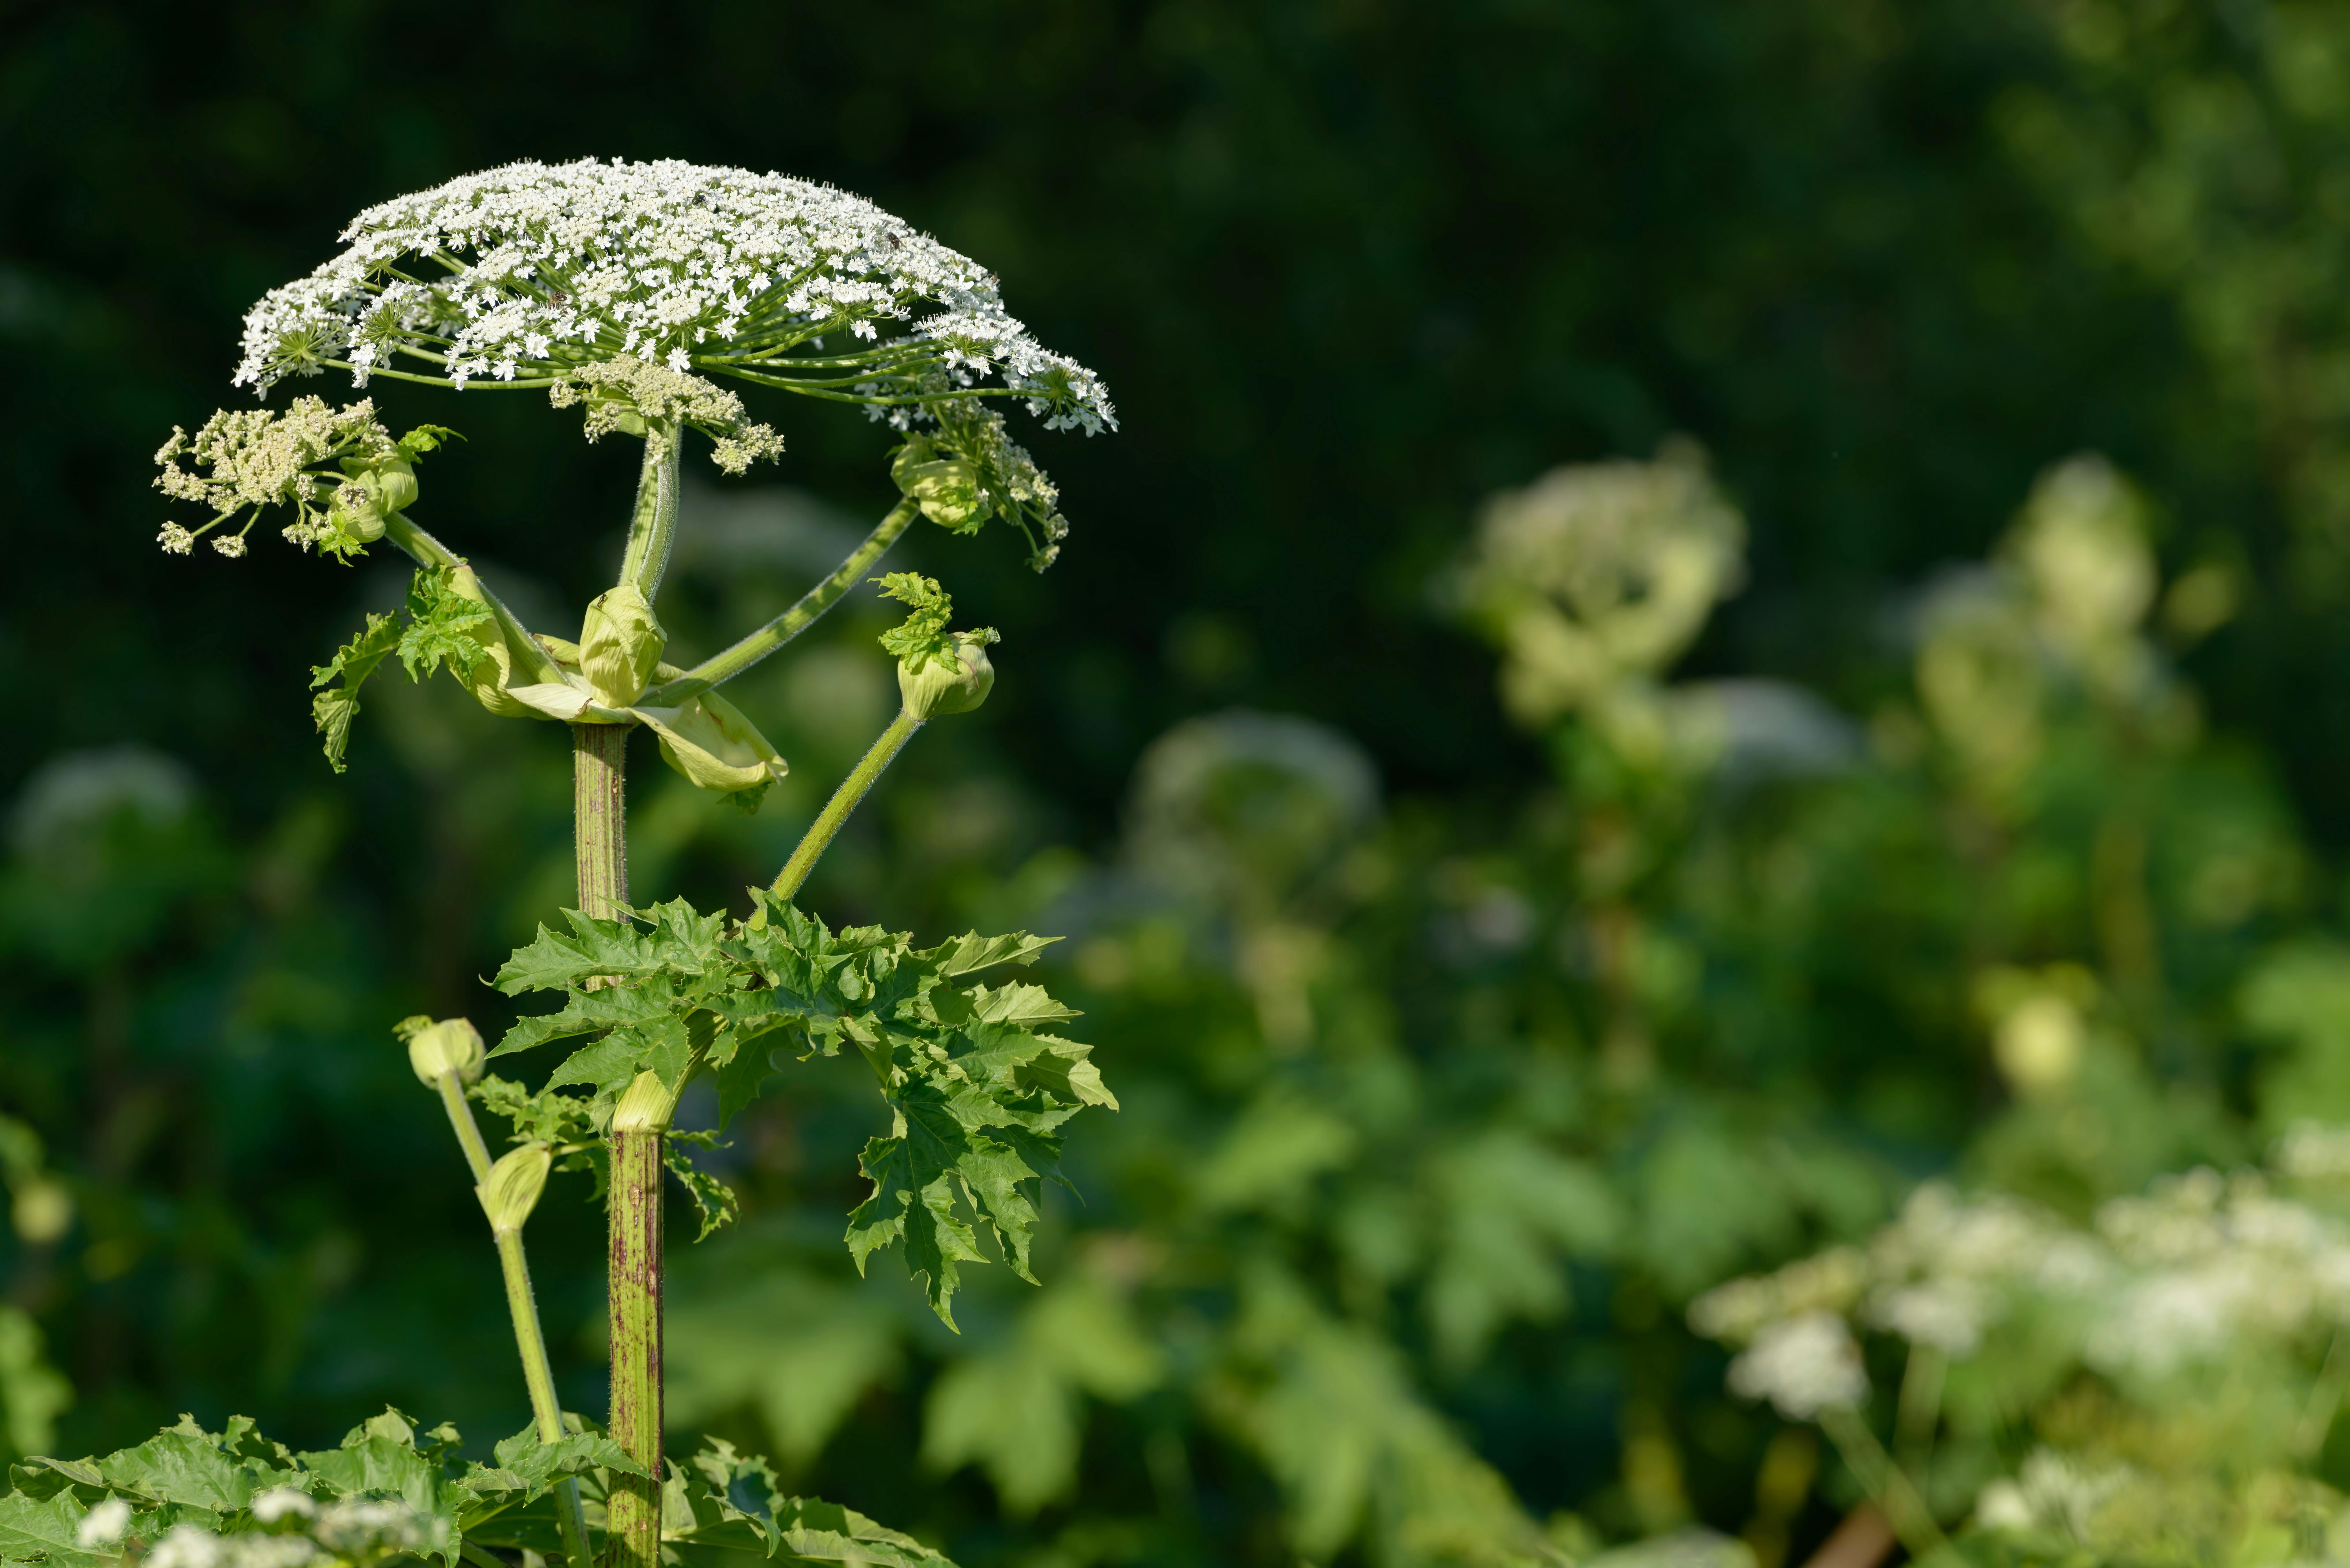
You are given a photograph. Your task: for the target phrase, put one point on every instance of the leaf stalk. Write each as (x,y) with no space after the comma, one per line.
(827,824)
(521,1305)
(792,622)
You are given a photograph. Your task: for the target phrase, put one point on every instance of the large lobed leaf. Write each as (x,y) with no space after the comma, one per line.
(976,1094)
(726,1506)
(723,1506)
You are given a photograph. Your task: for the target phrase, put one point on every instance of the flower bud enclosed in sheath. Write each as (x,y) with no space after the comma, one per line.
(945,488)
(953,684)
(451,1045)
(377,489)
(511,1189)
(620,645)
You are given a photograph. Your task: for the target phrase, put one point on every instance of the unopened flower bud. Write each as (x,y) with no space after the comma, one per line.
(376,489)
(945,488)
(511,1189)
(451,1045)
(620,645)
(953,684)
(393,484)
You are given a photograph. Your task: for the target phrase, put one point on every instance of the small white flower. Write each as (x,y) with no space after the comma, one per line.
(175,540)
(1803,1366)
(103,1525)
(187,1546)
(229,544)
(2003,1506)
(1948,1315)
(2052,1492)
(280,1501)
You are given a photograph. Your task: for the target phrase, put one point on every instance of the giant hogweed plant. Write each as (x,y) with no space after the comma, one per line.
(620,291)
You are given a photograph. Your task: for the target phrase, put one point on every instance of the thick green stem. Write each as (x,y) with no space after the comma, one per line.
(530,1340)
(792,622)
(599,839)
(844,800)
(632,1511)
(652,528)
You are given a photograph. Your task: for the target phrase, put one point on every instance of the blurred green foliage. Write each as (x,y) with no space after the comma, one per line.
(1503,920)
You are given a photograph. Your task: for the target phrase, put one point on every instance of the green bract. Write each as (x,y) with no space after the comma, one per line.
(619,645)
(511,1190)
(955,683)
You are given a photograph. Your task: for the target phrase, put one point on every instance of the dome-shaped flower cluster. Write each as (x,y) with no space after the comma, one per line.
(522,274)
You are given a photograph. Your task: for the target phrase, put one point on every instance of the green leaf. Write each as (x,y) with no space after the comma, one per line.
(713,1198)
(739,1079)
(973,951)
(936,1154)
(676,940)
(34,1529)
(444,625)
(977,1095)
(589,1012)
(353,662)
(661,1045)
(544,1117)
(375,1463)
(1019,1003)
(1062,1069)
(424,439)
(728,1503)
(923,638)
(183,1464)
(913,1202)
(527,1465)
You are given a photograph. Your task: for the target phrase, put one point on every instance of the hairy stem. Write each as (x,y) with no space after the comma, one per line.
(632,1511)
(599,817)
(530,1340)
(792,622)
(652,528)
(844,800)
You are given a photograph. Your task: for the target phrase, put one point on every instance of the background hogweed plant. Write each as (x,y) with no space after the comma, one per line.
(620,290)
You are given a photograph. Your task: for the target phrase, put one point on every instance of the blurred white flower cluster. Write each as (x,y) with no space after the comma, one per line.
(1600,576)
(525,273)
(2190,1271)
(299,1533)
(1593,580)
(2193,1339)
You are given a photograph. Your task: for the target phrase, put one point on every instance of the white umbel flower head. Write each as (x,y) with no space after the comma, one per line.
(534,274)
(1803,1365)
(525,273)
